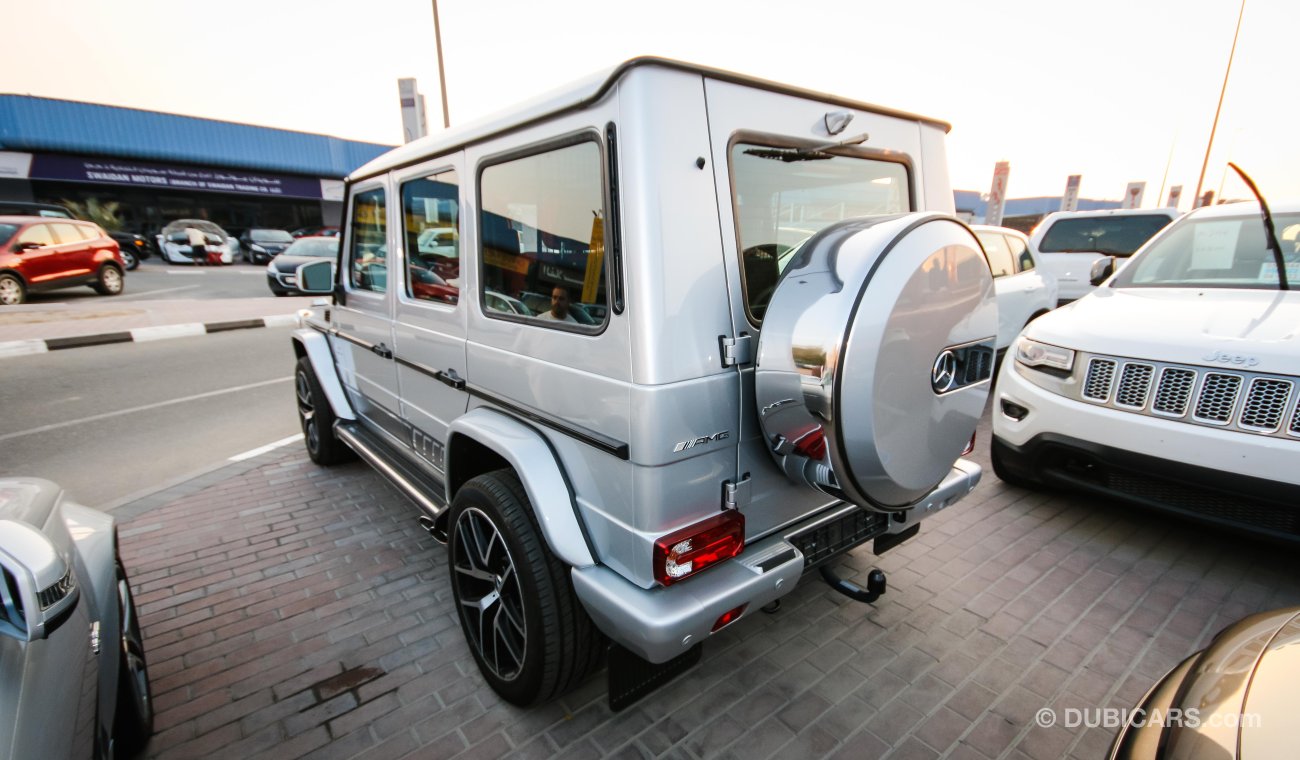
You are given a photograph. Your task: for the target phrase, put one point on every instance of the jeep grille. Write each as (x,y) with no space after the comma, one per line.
(1243,401)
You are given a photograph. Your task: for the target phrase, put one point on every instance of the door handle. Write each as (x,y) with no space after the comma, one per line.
(449,377)
(384,351)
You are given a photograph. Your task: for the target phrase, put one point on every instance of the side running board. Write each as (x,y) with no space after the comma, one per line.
(418,487)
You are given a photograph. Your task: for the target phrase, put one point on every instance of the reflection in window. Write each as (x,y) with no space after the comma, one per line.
(999,256)
(431,231)
(783,198)
(368,255)
(542,229)
(1020,253)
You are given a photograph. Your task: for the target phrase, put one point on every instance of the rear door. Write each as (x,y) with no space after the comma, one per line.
(430,324)
(768,206)
(363,317)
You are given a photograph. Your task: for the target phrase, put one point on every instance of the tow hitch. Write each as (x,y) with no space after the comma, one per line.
(875,585)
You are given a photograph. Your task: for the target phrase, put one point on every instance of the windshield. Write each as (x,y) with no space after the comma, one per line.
(325,249)
(7,231)
(1112,235)
(783,197)
(199,224)
(270,236)
(1216,252)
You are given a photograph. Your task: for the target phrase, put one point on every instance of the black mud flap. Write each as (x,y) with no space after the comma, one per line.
(631,677)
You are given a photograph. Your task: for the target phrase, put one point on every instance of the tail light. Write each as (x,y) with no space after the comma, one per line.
(812,444)
(686,552)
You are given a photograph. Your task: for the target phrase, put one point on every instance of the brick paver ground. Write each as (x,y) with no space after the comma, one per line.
(295,611)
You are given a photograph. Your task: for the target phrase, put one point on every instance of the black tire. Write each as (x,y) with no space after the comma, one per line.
(130,259)
(542,644)
(110,281)
(12,290)
(133,718)
(317,418)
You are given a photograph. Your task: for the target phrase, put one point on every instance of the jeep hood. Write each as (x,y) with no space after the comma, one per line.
(1257,330)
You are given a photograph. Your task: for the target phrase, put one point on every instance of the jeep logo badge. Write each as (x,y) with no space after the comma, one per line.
(943,376)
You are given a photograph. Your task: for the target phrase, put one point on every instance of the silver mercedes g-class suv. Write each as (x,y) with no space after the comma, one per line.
(646,350)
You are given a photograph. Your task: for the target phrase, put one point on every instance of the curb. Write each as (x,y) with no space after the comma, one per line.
(142,335)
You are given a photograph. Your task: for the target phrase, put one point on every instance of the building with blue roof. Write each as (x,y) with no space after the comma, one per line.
(158,167)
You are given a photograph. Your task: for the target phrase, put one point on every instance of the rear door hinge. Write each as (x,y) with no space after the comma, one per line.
(736,351)
(736,493)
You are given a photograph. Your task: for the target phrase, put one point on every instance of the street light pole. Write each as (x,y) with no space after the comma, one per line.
(442,77)
(1196,199)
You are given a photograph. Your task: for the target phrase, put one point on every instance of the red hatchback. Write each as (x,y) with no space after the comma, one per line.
(38,253)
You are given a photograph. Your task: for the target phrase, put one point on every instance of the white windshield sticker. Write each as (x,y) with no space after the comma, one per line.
(1268,272)
(1213,244)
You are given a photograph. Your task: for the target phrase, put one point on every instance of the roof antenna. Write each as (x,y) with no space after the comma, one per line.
(1269,235)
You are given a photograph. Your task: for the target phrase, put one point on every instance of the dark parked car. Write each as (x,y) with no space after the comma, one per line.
(317,231)
(38,253)
(281,273)
(23,208)
(73,677)
(259,245)
(134,248)
(1234,699)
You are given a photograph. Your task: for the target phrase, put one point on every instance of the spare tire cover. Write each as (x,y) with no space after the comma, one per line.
(879,341)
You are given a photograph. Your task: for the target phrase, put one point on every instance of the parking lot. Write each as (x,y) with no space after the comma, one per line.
(291,610)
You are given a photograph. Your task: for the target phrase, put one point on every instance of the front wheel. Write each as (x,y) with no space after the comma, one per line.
(110,281)
(131,260)
(133,722)
(317,418)
(12,290)
(529,634)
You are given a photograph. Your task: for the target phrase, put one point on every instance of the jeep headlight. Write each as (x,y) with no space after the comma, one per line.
(1031,353)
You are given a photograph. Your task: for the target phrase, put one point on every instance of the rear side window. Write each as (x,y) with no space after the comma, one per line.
(542,230)
(1112,235)
(431,233)
(368,255)
(995,247)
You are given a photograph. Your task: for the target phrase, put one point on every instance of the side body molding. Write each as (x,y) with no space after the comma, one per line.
(317,347)
(535,462)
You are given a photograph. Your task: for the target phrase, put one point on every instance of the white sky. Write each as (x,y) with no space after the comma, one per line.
(1104,88)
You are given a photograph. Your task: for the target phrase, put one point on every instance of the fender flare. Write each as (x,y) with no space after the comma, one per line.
(538,468)
(315,346)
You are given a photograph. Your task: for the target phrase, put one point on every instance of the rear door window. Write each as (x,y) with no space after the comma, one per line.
(1020,253)
(995,247)
(431,233)
(67,233)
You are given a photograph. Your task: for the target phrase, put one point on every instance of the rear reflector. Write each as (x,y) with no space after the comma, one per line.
(688,551)
(730,615)
(970,446)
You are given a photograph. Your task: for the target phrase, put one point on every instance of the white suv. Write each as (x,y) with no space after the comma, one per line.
(689,339)
(1080,248)
(1175,384)
(1025,291)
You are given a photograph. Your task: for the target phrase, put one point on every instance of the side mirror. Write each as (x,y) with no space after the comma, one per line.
(316,277)
(26,247)
(1101,269)
(38,586)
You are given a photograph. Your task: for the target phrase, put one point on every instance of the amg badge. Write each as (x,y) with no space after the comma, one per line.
(684,445)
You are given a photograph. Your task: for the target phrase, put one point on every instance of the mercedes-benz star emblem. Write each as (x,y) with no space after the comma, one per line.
(943,376)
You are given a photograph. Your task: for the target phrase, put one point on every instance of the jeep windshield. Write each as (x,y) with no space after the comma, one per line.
(1216,252)
(1111,235)
(782,197)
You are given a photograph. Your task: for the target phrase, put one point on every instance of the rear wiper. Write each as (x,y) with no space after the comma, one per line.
(1269,235)
(815,153)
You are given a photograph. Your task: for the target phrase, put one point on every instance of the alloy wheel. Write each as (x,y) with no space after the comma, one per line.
(136,674)
(10,292)
(306,410)
(112,280)
(487,588)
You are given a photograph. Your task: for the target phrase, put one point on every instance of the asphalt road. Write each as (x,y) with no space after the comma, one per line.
(111,421)
(156,279)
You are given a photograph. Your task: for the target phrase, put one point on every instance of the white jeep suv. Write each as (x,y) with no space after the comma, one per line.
(1175,384)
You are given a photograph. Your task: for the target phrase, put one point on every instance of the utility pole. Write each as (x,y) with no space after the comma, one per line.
(442,76)
(1204,165)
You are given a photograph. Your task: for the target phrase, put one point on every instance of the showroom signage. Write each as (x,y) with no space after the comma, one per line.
(165,177)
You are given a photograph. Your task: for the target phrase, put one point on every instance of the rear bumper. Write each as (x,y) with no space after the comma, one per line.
(663,622)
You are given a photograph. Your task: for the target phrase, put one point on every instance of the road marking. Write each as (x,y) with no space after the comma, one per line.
(163,332)
(145,408)
(22,347)
(268,447)
(186,272)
